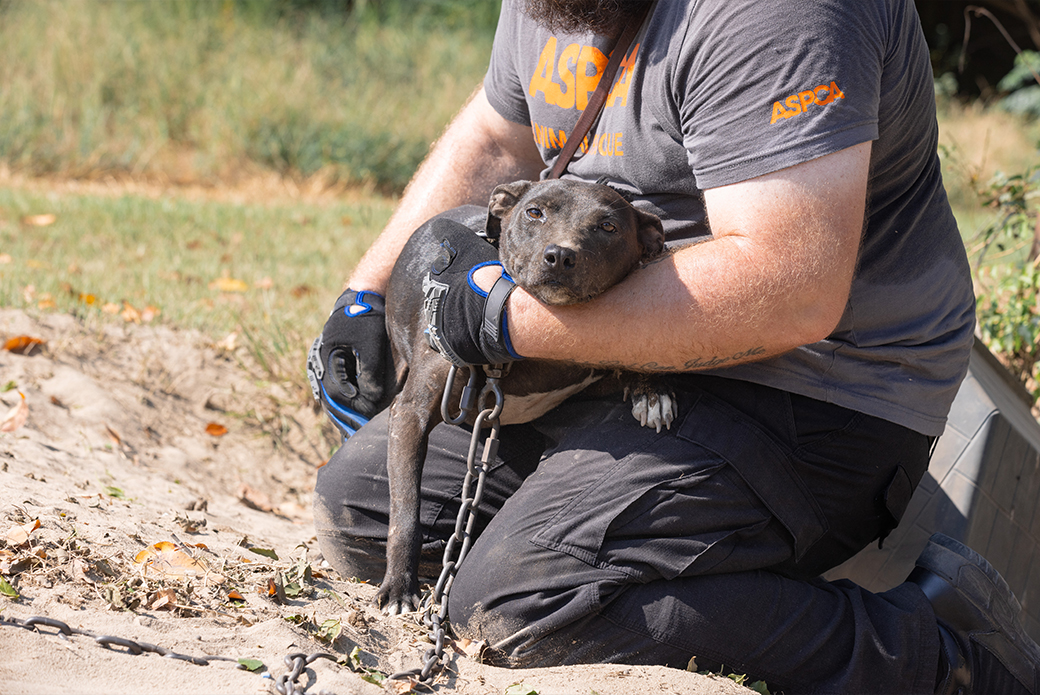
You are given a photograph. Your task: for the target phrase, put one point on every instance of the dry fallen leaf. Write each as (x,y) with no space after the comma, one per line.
(19,535)
(130,314)
(79,570)
(253,498)
(46,301)
(165,559)
(228,285)
(16,416)
(264,283)
(214,429)
(113,435)
(402,685)
(229,343)
(164,598)
(23,344)
(469,648)
(111,308)
(149,313)
(40,220)
(5,258)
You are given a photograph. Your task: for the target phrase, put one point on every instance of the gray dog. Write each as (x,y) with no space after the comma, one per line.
(563,241)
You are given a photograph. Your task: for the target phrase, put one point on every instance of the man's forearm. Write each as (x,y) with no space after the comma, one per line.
(777,275)
(478,151)
(684,313)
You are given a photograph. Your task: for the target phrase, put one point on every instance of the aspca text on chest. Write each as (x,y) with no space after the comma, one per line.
(568,81)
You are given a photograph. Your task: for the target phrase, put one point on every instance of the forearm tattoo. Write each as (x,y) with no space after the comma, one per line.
(696,364)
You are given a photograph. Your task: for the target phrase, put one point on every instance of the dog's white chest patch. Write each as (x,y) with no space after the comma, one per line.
(519,409)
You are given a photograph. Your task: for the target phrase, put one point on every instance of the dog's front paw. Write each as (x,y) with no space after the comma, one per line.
(397,597)
(654,408)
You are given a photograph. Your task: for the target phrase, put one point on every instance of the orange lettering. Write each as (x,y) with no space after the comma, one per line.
(565,96)
(586,83)
(617,146)
(540,136)
(620,89)
(800,102)
(554,142)
(541,80)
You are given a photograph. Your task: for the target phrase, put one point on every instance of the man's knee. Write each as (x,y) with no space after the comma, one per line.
(351,503)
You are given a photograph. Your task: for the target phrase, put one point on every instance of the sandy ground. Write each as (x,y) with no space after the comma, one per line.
(159,493)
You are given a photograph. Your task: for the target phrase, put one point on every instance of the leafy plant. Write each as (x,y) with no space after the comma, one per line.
(1021,82)
(1007,256)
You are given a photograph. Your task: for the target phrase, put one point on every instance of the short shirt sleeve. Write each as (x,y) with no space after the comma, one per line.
(502,83)
(762,86)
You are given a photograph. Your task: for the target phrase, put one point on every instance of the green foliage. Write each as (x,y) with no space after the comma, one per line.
(1022,83)
(353,662)
(192,90)
(7,590)
(289,259)
(1008,276)
(520,689)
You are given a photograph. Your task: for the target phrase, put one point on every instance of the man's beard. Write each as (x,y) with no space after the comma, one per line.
(605,17)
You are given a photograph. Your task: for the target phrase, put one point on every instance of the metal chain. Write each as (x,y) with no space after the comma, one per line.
(436,606)
(286,683)
(108,641)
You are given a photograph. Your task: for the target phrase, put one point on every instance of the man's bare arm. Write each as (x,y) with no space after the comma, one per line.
(477,151)
(776,275)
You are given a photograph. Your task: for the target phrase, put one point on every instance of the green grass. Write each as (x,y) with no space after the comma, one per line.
(195,90)
(344,93)
(168,253)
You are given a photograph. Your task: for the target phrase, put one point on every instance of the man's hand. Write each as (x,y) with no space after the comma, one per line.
(349,365)
(466,324)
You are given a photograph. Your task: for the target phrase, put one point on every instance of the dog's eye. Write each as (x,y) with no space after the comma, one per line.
(534,213)
(607,227)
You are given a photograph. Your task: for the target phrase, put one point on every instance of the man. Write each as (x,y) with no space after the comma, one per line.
(818,333)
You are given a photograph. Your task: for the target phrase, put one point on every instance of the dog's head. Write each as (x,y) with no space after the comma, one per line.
(567,241)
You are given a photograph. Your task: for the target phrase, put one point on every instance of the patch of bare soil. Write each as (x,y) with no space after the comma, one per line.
(152,489)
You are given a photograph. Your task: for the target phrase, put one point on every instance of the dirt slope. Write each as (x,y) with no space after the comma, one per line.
(151,527)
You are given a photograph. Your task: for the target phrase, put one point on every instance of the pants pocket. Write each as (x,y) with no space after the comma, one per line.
(763,463)
(651,527)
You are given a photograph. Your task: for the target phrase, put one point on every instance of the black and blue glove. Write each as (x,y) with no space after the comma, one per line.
(466,324)
(350,366)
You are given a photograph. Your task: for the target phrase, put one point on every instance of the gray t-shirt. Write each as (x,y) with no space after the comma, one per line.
(713,92)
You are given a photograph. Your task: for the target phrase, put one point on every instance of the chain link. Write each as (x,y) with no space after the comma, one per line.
(436,606)
(109,641)
(286,683)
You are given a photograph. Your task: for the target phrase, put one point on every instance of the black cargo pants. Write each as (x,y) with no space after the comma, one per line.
(603,541)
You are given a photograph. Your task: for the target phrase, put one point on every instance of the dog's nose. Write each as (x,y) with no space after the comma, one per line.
(559,257)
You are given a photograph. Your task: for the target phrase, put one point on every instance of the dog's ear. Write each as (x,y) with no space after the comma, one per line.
(503,198)
(651,233)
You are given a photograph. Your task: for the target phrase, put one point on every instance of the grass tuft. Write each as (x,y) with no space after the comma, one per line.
(188,91)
